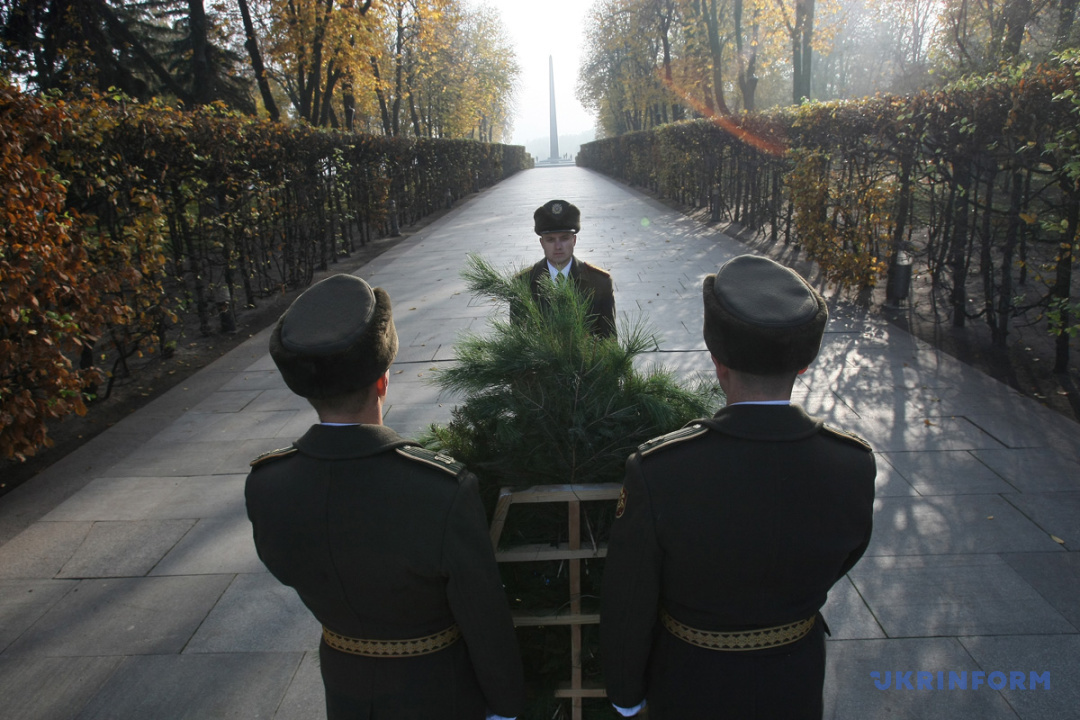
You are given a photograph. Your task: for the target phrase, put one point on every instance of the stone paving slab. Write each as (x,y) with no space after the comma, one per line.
(1052,657)
(851,692)
(257,614)
(51,688)
(22,602)
(888,433)
(1033,470)
(234,401)
(947,525)
(292,430)
(889,482)
(123,616)
(153,498)
(42,549)
(236,685)
(214,546)
(927,596)
(953,472)
(847,614)
(412,420)
(933,402)
(305,699)
(270,400)
(1058,513)
(127,548)
(1056,576)
(164,459)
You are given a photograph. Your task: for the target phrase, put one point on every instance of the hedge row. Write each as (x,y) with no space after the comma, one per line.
(121,217)
(977,182)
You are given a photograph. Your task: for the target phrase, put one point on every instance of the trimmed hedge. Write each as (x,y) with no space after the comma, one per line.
(152,212)
(978,182)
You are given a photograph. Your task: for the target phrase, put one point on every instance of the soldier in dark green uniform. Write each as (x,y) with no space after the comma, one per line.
(385,542)
(558,222)
(730,532)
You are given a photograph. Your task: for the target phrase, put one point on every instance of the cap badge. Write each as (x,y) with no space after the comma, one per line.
(556,209)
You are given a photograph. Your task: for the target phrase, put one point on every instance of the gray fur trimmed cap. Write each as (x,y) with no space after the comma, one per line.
(556,216)
(336,338)
(761,317)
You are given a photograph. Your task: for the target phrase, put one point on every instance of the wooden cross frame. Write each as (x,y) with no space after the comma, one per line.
(570,551)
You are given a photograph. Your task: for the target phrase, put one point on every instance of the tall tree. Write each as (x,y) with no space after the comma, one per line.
(746,50)
(977,36)
(251,44)
(316,45)
(145,48)
(622,75)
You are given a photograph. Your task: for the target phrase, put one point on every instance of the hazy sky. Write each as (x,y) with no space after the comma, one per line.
(537,29)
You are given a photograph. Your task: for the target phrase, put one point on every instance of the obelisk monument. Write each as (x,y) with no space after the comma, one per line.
(554,127)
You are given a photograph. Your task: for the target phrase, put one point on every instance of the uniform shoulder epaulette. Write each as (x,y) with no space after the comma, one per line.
(848,437)
(431,458)
(672,438)
(273,455)
(598,270)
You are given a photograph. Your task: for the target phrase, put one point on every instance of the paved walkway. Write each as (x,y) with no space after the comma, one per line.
(130,589)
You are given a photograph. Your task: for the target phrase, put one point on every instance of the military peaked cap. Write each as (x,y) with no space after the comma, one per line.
(336,338)
(761,317)
(556,216)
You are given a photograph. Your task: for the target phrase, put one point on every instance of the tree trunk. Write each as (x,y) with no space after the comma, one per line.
(202,73)
(1066,16)
(716,49)
(384,109)
(747,58)
(252,45)
(958,250)
(1008,250)
(802,50)
(326,113)
(1017,16)
(1063,279)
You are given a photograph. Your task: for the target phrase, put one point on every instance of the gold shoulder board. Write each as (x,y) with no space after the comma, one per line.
(273,455)
(672,438)
(434,459)
(848,437)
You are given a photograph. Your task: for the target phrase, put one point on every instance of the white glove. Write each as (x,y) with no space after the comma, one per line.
(629,712)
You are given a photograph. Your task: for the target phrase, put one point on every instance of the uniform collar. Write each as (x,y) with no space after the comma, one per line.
(568,271)
(349,441)
(764,422)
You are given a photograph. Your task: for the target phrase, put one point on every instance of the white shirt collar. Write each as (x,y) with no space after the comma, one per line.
(761,402)
(565,272)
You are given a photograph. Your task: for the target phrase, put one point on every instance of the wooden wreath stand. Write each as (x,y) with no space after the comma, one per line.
(569,551)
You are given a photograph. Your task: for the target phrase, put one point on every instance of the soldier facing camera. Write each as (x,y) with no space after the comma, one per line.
(558,222)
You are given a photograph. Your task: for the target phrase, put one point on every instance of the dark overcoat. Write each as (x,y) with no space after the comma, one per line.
(588,279)
(384,540)
(737,522)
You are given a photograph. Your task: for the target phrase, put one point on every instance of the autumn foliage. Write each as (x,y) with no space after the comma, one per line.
(51,302)
(978,182)
(121,217)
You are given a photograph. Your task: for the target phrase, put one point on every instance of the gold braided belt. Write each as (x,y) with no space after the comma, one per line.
(393,648)
(738,641)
